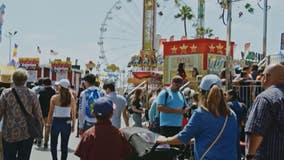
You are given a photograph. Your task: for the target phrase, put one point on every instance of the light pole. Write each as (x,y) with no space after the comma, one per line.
(10,36)
(228,44)
(264,40)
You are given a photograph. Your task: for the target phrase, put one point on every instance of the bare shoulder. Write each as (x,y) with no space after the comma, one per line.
(55,98)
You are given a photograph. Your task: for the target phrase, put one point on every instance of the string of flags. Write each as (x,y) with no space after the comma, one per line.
(52,52)
(2,12)
(15,50)
(38,50)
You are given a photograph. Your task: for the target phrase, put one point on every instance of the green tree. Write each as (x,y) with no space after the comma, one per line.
(185,13)
(201,32)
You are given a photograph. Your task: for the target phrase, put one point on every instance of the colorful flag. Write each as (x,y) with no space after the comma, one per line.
(53,52)
(2,12)
(251,56)
(38,50)
(282,42)
(15,51)
(246,47)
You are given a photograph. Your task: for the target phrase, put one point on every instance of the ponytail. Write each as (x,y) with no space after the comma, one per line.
(215,102)
(65,97)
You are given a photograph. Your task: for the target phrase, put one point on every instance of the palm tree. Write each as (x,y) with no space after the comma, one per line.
(201,32)
(185,13)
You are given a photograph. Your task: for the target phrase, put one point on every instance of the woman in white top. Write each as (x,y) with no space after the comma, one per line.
(62,114)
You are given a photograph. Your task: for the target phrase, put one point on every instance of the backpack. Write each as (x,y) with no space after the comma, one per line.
(156,123)
(91,97)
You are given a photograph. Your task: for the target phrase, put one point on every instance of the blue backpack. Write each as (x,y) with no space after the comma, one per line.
(91,97)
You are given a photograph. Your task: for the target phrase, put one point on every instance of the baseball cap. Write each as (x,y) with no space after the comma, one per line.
(208,80)
(89,78)
(63,83)
(238,69)
(103,106)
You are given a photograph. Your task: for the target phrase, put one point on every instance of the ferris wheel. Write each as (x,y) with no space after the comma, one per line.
(121,30)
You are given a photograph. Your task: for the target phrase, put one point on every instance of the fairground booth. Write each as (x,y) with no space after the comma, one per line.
(64,70)
(56,70)
(207,55)
(33,68)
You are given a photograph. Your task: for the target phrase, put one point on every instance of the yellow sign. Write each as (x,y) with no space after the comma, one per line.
(148,25)
(190,61)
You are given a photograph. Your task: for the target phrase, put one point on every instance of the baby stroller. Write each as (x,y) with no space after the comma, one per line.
(144,145)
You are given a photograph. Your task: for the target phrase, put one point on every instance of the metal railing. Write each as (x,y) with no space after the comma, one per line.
(247,91)
(134,89)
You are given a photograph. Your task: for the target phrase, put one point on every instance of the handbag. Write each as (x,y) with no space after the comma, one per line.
(34,126)
(215,140)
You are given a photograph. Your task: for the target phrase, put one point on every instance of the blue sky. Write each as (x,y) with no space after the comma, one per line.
(72,28)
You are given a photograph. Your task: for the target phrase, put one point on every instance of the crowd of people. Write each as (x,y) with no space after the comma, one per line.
(210,120)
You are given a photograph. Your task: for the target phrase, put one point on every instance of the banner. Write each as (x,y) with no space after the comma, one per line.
(282,42)
(2,12)
(215,63)
(148,25)
(246,47)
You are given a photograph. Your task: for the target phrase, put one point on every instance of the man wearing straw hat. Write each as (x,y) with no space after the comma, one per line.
(5,82)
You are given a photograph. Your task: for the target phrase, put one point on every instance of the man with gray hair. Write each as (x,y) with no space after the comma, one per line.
(17,141)
(265,125)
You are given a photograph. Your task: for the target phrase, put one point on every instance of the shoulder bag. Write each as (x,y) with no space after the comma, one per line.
(34,126)
(216,139)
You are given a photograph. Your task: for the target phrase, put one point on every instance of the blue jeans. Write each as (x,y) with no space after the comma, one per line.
(63,126)
(17,150)
(137,118)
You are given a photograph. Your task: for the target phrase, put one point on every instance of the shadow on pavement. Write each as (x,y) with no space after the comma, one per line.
(70,150)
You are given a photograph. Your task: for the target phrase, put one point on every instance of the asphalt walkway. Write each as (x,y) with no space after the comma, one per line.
(39,153)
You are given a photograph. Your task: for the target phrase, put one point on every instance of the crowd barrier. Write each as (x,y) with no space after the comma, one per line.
(247,91)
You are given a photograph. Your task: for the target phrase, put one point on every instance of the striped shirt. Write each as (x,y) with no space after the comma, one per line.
(267,120)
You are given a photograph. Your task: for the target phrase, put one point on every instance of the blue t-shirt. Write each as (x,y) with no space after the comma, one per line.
(153,112)
(174,100)
(204,127)
(238,109)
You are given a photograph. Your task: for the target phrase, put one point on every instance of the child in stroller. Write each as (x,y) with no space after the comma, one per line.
(144,145)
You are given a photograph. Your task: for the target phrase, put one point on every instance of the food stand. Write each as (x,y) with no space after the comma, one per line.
(207,55)
(32,66)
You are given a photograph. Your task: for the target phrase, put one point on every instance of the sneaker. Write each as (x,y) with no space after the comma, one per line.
(39,143)
(45,146)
